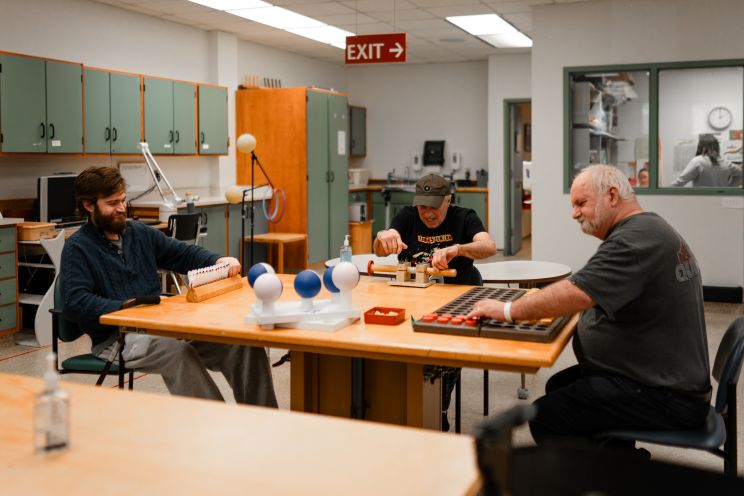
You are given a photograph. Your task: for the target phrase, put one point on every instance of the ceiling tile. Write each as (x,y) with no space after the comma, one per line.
(378,5)
(401,15)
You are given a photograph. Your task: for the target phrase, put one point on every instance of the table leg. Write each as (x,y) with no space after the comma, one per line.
(522,392)
(280,256)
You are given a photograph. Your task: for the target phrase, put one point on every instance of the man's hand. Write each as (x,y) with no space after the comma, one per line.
(234,265)
(441,258)
(491,309)
(389,241)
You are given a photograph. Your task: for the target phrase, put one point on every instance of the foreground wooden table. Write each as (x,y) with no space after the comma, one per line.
(139,443)
(395,391)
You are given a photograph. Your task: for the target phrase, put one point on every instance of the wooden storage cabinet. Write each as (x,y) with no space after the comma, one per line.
(112,112)
(170,116)
(301,141)
(42,105)
(212,120)
(8,279)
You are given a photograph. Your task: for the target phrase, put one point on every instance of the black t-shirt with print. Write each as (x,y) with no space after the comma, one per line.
(459,227)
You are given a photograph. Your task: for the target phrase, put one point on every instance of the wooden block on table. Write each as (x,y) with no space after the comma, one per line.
(216,288)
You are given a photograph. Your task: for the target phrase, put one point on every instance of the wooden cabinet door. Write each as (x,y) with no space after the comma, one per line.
(126,116)
(97,97)
(22,104)
(212,120)
(64,107)
(159,132)
(184,118)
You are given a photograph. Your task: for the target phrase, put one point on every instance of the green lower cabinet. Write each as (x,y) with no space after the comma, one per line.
(7,317)
(216,230)
(476,201)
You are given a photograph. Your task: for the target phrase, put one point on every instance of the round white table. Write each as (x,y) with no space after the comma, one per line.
(361,262)
(526,273)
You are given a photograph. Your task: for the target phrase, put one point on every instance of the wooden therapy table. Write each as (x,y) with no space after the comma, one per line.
(394,390)
(138,443)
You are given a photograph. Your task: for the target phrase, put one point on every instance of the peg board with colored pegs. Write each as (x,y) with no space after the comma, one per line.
(450,319)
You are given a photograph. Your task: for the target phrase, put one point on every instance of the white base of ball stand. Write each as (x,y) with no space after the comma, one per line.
(325,315)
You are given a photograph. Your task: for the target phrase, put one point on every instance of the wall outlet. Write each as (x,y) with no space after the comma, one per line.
(732,202)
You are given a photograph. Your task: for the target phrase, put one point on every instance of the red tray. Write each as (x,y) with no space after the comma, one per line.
(385,315)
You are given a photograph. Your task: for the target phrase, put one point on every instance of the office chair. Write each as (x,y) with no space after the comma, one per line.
(186,228)
(568,468)
(720,425)
(66,331)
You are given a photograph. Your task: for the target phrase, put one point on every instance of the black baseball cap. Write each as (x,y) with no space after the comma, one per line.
(431,190)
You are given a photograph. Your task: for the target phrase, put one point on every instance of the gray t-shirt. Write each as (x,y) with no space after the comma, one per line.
(648,323)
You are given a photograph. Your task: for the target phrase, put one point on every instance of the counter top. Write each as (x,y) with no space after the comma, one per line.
(207,196)
(10,221)
(402,187)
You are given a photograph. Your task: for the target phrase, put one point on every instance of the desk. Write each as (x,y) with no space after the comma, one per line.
(134,443)
(320,374)
(526,273)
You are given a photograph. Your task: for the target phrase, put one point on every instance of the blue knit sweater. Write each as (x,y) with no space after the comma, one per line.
(96,277)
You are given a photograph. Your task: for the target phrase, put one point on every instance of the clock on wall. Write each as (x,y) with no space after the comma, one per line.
(719,118)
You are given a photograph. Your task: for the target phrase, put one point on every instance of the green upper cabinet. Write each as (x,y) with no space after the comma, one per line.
(170,116)
(212,120)
(64,107)
(184,118)
(40,105)
(159,133)
(358,131)
(112,112)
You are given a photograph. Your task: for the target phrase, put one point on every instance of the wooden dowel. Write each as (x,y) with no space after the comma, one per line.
(372,267)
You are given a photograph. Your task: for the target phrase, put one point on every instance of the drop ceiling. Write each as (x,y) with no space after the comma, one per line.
(431,39)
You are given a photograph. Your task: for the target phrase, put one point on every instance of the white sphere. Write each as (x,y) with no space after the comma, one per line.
(234,194)
(268,287)
(246,143)
(345,276)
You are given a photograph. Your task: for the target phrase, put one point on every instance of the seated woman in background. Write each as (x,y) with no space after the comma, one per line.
(708,168)
(642,178)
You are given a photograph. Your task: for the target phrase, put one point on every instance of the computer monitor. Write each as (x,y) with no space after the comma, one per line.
(434,153)
(56,198)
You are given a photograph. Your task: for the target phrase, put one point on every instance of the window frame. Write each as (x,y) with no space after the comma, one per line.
(653,128)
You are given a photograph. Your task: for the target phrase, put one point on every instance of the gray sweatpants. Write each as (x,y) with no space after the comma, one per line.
(183,366)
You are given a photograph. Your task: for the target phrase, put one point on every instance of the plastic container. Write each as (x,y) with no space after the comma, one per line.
(345,252)
(385,315)
(358,177)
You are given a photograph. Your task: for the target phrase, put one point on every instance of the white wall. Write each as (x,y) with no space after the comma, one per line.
(409,104)
(508,78)
(622,32)
(102,36)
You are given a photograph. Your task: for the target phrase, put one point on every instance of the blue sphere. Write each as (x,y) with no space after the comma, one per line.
(257,270)
(328,280)
(307,284)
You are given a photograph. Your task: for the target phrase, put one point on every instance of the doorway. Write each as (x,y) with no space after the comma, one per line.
(517,174)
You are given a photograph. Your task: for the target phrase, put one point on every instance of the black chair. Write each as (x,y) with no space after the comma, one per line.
(572,468)
(186,228)
(66,331)
(720,425)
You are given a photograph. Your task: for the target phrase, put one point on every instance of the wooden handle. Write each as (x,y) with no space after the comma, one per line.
(216,288)
(372,268)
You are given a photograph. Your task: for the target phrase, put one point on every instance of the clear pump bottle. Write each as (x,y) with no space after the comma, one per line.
(52,426)
(345,254)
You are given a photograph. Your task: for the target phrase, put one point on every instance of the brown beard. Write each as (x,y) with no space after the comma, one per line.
(114,223)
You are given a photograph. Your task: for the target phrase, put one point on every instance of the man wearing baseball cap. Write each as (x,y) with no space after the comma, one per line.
(434,231)
(444,235)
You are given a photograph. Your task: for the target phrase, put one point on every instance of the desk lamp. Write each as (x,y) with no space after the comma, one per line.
(247,144)
(170,202)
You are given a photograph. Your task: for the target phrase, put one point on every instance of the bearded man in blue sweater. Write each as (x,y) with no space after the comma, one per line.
(110,261)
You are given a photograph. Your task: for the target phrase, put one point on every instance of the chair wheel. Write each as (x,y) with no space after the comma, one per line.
(523,393)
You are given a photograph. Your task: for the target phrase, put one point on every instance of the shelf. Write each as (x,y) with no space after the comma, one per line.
(30,299)
(35,264)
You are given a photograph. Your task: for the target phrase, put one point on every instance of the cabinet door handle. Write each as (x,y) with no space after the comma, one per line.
(43,129)
(178,137)
(51,131)
(333,176)
(170,136)
(115,134)
(203,136)
(108,133)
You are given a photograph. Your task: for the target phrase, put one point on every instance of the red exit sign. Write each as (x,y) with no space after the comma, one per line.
(376,48)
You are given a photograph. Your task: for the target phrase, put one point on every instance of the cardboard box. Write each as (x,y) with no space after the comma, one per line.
(34,231)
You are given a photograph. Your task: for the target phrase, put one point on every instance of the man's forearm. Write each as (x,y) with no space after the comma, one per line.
(560,298)
(478,249)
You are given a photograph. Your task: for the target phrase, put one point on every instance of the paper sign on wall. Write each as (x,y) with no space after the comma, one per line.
(341,142)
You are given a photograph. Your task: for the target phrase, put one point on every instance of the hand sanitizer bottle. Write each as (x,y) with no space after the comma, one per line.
(345,253)
(52,412)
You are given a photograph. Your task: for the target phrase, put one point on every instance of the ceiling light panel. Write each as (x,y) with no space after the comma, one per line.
(507,40)
(278,17)
(232,4)
(482,24)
